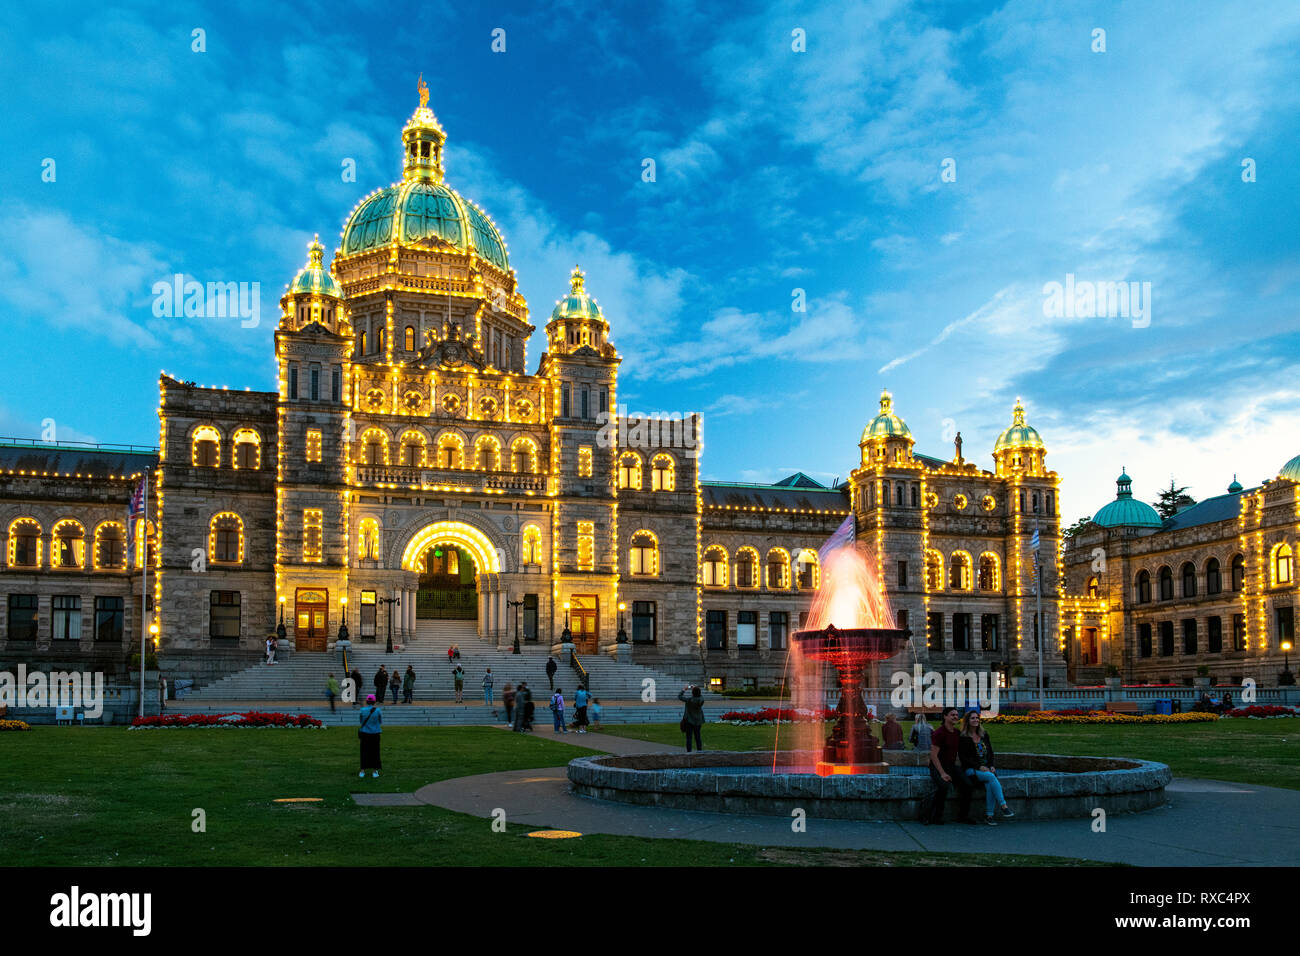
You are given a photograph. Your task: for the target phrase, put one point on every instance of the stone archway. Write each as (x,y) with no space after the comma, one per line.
(482,547)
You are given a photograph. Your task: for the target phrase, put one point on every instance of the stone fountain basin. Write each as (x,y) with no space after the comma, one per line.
(1051,787)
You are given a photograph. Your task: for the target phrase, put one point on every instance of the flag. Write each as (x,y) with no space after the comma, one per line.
(134,511)
(1034,543)
(843,537)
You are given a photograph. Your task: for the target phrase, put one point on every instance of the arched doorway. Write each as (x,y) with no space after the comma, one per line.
(448,585)
(459,569)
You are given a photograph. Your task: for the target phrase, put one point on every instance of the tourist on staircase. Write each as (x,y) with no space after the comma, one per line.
(557,710)
(408,685)
(458,676)
(551,668)
(331,691)
(508,698)
(356,686)
(372,724)
(395,684)
(487,691)
(381,682)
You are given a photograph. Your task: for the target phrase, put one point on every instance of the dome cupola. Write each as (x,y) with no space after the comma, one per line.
(1291,470)
(1020,447)
(887,437)
(314,295)
(576,320)
(1126,511)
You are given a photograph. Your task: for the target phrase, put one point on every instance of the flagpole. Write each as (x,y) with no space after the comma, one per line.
(144,587)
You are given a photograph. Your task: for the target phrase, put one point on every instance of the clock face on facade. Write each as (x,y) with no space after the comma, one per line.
(375,399)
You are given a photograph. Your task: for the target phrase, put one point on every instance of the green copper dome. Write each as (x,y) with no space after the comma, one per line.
(314,278)
(1236,489)
(419,209)
(1125,511)
(886,424)
(1019,435)
(1291,470)
(577,304)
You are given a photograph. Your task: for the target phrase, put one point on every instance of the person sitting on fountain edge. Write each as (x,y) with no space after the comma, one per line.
(977,763)
(945,750)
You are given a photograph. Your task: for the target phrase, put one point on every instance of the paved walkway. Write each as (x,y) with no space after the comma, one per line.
(1205,823)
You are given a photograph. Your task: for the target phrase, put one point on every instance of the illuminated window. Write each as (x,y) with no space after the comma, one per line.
(110,547)
(644,555)
(410,338)
(1282,573)
(24,544)
(68,547)
(144,532)
(532,545)
(368,539)
(313,444)
(487,453)
(662,473)
(808,570)
(629,471)
(312,547)
(226,538)
(1094,587)
(959,571)
(584,462)
(412,450)
(933,571)
(989,572)
(451,451)
(523,456)
(586,546)
(205,448)
(715,567)
(778,570)
(248,449)
(374,447)
(747,568)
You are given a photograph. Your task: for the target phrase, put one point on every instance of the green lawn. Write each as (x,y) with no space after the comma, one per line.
(1263,752)
(102,797)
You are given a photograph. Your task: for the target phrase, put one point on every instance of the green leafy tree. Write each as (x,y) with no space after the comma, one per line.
(1172,499)
(1077,527)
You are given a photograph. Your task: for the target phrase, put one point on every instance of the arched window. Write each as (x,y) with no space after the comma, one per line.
(410,338)
(1189,579)
(916,496)
(368,539)
(1021,496)
(532,545)
(374,447)
(778,570)
(248,449)
(715,567)
(1166,584)
(1213,577)
(933,571)
(808,570)
(523,456)
(226,538)
(1238,573)
(145,537)
(361,343)
(584,462)
(899,490)
(989,577)
(205,447)
(1282,565)
(629,471)
(663,473)
(379,337)
(1094,587)
(1143,595)
(110,546)
(746,568)
(487,453)
(451,451)
(644,555)
(68,547)
(412,450)
(24,543)
(959,571)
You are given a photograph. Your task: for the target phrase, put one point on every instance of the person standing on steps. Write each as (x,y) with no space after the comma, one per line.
(551,668)
(331,691)
(692,716)
(381,683)
(372,724)
(408,685)
(557,711)
(487,691)
(356,687)
(395,684)
(508,698)
(458,676)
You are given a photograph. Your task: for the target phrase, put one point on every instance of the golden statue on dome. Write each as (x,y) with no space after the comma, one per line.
(423,87)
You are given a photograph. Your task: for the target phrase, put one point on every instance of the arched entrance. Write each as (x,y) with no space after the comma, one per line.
(448,585)
(459,570)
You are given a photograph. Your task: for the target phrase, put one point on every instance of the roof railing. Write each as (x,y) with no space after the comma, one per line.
(12,442)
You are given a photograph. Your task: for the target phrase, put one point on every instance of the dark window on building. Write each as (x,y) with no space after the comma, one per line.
(1214,630)
(223,615)
(1166,638)
(1189,580)
(643,622)
(205,454)
(898,494)
(961,632)
(315,385)
(564,401)
(916,496)
(108,619)
(1238,632)
(1213,579)
(715,630)
(1166,584)
(368,615)
(747,630)
(22,617)
(584,404)
(1036,502)
(604,400)
(1286,625)
(902,574)
(1144,587)
(745,577)
(1022,501)
(530,617)
(1144,640)
(1238,573)
(66,617)
(778,625)
(934,631)
(293,381)
(1189,636)
(900,618)
(24,545)
(1049,502)
(336,384)
(989,627)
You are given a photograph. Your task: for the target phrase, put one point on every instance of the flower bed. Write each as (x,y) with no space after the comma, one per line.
(1097,717)
(1263,710)
(773,715)
(251,718)
(14,725)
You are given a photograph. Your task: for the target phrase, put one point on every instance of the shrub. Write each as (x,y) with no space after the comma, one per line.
(1263,710)
(773,715)
(251,718)
(14,725)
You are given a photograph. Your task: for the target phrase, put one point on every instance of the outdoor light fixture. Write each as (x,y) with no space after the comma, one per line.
(622,634)
(280,631)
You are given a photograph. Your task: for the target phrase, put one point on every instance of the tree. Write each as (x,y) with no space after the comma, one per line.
(1172,500)
(1077,527)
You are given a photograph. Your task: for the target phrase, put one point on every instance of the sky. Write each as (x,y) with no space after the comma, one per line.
(845,197)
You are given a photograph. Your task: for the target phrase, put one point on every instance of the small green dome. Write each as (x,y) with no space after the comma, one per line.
(1019,435)
(886,424)
(1291,470)
(314,278)
(1236,489)
(417,209)
(577,304)
(1125,511)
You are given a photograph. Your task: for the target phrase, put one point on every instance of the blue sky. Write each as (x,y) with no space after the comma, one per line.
(776,170)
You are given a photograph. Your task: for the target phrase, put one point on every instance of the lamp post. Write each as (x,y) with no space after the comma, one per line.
(622,634)
(1286,670)
(566,637)
(280,631)
(390,601)
(343,628)
(516,605)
